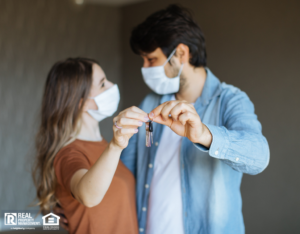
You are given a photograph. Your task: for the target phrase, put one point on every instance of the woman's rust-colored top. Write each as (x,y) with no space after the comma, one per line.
(116,213)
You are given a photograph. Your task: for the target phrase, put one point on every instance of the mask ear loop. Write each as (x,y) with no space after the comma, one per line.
(168,59)
(180,70)
(170,56)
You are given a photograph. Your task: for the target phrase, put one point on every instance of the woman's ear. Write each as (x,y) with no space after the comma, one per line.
(183,52)
(89,104)
(84,107)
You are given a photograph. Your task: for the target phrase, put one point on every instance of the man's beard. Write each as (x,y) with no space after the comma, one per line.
(183,80)
(183,83)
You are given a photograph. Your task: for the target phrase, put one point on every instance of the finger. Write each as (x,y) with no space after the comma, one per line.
(180,108)
(156,111)
(183,118)
(159,119)
(134,115)
(125,131)
(134,109)
(125,122)
(165,111)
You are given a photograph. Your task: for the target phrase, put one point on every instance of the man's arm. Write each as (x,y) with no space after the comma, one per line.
(129,154)
(239,142)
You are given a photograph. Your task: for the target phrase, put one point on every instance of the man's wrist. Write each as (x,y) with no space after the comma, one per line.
(206,137)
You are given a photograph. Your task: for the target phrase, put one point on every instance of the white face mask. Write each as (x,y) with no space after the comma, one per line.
(107,103)
(156,79)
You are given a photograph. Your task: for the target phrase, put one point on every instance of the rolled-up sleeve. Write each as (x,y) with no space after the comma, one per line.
(239,142)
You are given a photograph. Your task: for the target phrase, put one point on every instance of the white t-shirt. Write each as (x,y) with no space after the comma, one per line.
(165,202)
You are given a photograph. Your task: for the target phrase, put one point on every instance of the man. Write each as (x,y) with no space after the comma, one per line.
(206,134)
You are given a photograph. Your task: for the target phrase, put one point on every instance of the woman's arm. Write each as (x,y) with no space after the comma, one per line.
(90,186)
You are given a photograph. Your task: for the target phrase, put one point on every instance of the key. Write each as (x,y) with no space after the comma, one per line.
(149,133)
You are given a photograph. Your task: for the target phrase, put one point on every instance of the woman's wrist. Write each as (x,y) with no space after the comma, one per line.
(114,147)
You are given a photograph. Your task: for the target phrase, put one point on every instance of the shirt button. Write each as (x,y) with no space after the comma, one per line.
(237,159)
(146,186)
(141,229)
(217,152)
(156,143)
(150,165)
(144,208)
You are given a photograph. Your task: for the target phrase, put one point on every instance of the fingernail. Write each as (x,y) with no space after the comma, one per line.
(136,130)
(151,114)
(140,123)
(146,118)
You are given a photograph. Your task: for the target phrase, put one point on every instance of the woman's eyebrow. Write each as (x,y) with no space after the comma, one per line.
(102,80)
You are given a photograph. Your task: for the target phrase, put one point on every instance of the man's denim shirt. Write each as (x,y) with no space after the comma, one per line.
(210,178)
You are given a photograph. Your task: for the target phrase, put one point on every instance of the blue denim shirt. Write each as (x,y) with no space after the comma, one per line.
(210,178)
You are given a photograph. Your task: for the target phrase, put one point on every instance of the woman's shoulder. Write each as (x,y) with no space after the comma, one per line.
(69,150)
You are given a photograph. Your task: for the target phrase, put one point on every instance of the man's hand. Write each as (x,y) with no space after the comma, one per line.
(183,119)
(63,220)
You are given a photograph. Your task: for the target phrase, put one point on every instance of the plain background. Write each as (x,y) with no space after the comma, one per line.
(251,44)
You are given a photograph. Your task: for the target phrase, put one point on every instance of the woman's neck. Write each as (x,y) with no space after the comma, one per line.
(90,130)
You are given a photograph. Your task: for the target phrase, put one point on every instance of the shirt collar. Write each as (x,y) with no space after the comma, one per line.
(211,89)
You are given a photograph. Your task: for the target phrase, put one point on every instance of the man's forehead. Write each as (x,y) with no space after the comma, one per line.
(154,52)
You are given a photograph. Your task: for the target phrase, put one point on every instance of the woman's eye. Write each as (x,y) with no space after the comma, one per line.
(103,84)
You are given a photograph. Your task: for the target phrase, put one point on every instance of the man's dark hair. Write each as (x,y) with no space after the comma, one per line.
(168,28)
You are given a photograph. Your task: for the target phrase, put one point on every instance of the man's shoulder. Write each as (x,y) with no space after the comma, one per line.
(229,91)
(232,96)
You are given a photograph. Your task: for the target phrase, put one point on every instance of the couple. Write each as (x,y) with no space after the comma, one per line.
(206,135)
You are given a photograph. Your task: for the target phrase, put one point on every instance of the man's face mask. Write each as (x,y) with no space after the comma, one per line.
(156,79)
(107,103)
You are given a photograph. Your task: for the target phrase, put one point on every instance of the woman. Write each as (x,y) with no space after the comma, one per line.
(75,166)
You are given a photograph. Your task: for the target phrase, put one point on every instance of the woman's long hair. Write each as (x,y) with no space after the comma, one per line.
(67,88)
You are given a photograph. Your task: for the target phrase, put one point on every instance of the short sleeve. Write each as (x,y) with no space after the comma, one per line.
(66,163)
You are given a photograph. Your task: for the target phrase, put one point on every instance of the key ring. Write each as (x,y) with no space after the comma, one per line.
(118,127)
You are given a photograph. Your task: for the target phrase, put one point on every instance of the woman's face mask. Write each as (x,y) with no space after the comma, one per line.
(107,103)
(157,81)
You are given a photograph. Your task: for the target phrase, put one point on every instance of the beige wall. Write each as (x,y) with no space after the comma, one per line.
(34,34)
(254,45)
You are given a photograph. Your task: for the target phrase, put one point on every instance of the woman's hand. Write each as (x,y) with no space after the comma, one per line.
(127,123)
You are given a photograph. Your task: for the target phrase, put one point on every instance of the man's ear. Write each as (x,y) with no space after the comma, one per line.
(183,52)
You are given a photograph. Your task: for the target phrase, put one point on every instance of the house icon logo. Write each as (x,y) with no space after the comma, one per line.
(51,219)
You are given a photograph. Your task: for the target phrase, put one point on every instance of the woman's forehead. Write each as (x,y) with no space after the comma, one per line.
(98,74)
